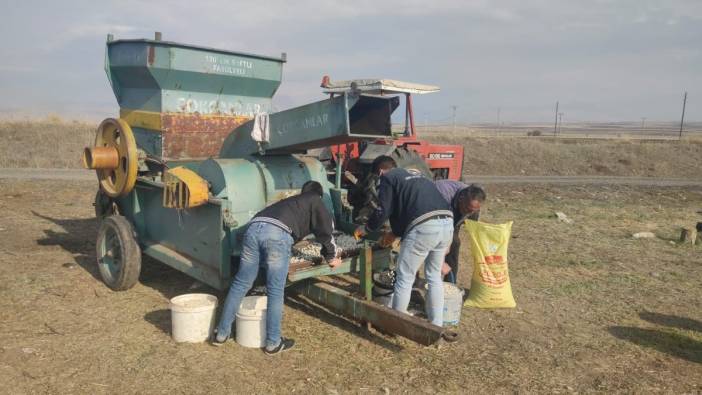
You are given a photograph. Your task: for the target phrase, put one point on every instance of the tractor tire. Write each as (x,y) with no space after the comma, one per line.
(118,253)
(410,159)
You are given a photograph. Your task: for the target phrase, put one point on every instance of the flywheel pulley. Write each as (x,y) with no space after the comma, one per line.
(114,157)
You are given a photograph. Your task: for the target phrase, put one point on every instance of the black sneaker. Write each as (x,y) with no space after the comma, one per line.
(285,344)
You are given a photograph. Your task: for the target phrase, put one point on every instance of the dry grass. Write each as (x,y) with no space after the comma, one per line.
(48,143)
(56,143)
(600,130)
(597,311)
(548,156)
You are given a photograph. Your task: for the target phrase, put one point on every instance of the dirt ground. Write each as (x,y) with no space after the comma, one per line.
(597,311)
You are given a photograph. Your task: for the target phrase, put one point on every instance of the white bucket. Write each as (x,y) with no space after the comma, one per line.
(251,322)
(453,304)
(192,317)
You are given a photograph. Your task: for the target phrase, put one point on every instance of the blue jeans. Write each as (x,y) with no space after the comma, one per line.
(425,243)
(264,245)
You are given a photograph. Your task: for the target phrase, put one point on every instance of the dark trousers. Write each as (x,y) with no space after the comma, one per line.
(452,258)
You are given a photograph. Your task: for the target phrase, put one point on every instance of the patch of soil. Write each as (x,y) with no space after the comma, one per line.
(597,311)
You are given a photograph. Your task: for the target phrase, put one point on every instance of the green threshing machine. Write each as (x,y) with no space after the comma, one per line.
(181,172)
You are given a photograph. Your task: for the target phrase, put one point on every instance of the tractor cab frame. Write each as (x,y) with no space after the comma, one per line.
(443,161)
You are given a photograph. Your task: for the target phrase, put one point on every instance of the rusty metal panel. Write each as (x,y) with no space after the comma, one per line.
(195,136)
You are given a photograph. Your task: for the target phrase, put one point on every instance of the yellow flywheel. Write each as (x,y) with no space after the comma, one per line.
(114,157)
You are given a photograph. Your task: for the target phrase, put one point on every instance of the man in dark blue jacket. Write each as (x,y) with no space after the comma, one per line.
(422,218)
(267,243)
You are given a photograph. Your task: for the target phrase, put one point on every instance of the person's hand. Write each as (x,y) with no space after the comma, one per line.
(445,269)
(359,232)
(386,239)
(334,263)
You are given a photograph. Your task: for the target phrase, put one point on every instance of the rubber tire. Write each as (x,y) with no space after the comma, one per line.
(410,159)
(130,253)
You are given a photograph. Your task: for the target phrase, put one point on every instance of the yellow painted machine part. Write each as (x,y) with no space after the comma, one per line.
(142,119)
(184,188)
(117,134)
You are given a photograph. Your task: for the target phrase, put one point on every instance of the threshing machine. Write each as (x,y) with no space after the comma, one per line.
(190,161)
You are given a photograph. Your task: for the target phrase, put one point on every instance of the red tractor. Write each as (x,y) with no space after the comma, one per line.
(434,160)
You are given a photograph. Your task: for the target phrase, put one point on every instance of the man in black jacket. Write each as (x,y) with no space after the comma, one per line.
(422,218)
(267,243)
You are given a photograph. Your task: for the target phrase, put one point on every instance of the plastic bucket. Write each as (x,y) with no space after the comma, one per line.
(383,287)
(453,303)
(382,295)
(192,317)
(251,322)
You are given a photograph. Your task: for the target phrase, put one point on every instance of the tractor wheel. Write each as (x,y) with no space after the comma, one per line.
(410,159)
(118,254)
(104,206)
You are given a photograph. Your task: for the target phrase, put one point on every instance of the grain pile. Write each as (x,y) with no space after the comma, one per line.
(452,291)
(311,250)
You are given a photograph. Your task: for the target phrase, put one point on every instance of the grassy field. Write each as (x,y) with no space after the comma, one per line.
(599,130)
(597,311)
(547,156)
(57,143)
(48,143)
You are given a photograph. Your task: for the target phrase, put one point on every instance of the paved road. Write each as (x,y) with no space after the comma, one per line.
(48,174)
(79,174)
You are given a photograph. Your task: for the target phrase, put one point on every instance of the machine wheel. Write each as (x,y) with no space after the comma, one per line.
(410,159)
(118,254)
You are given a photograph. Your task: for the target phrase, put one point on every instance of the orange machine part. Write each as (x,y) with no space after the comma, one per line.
(100,158)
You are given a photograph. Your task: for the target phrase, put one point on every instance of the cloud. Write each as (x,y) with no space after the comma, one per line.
(79,32)
(621,59)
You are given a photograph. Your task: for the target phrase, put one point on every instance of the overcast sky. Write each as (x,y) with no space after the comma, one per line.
(603,60)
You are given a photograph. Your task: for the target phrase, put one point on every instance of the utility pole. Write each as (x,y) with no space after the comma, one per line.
(454,118)
(643,120)
(555,125)
(560,122)
(682,119)
(426,122)
(498,119)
